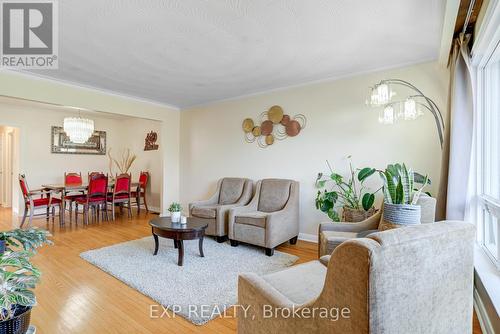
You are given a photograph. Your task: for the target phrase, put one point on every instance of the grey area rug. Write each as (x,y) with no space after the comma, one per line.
(200,289)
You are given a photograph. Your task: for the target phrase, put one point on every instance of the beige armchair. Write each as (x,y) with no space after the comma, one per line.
(331,235)
(270,219)
(417,279)
(230,193)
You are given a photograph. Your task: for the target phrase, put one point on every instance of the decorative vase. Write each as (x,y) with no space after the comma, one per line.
(351,215)
(176,216)
(397,215)
(19,324)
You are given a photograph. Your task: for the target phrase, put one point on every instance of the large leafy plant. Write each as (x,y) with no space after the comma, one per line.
(18,276)
(344,192)
(399,184)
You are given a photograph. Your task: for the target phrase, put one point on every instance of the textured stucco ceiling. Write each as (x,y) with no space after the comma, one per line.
(188,52)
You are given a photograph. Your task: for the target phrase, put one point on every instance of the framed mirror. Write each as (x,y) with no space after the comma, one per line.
(61,143)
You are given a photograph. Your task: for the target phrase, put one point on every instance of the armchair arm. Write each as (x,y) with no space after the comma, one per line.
(214,199)
(258,288)
(370,223)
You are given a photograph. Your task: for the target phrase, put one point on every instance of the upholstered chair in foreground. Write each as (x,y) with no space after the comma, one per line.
(417,279)
(230,193)
(330,235)
(270,219)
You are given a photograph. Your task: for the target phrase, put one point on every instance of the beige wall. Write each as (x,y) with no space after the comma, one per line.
(48,91)
(338,124)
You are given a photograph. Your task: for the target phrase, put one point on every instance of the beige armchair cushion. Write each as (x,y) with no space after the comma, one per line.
(209,212)
(274,195)
(231,190)
(299,283)
(252,218)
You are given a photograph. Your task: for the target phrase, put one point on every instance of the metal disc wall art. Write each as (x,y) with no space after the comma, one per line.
(274,125)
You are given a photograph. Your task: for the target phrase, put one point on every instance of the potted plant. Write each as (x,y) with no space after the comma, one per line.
(175,211)
(400,196)
(350,194)
(18,278)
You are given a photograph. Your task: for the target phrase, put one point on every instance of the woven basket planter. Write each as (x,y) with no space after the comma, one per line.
(19,323)
(351,215)
(397,215)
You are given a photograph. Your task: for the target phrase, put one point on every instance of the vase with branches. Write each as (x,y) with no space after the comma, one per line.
(124,163)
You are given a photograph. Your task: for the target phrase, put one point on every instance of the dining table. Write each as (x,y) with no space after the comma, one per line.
(76,187)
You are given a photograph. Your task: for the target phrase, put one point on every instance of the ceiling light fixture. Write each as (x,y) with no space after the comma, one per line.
(381,95)
(78,129)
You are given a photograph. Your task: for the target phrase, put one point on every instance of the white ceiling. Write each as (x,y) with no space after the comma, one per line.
(189,52)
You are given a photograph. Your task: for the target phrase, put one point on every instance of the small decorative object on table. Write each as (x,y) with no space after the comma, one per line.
(400,198)
(183,220)
(19,277)
(350,194)
(175,211)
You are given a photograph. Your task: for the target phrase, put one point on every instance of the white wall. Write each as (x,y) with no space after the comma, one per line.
(338,124)
(35,120)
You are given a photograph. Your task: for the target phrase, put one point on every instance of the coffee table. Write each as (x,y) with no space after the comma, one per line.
(163,227)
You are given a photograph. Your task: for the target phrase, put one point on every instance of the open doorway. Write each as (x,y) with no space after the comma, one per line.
(8,166)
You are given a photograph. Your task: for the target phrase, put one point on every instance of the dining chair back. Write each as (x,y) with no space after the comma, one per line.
(90,174)
(143,180)
(98,186)
(140,192)
(31,203)
(121,193)
(96,197)
(73,178)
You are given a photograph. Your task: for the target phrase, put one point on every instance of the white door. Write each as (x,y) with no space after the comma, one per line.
(10,169)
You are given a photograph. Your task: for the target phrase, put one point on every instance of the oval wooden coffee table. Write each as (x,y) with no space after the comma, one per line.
(163,227)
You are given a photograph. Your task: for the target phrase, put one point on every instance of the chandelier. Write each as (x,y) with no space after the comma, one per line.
(409,108)
(78,129)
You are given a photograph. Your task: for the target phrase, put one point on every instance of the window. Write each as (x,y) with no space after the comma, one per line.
(488,137)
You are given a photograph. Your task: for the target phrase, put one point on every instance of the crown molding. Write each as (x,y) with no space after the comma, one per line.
(41,77)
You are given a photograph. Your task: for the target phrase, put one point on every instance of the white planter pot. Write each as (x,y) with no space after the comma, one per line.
(176,217)
(402,214)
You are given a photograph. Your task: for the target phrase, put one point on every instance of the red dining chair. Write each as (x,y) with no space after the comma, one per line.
(90,174)
(141,191)
(72,179)
(121,193)
(31,203)
(94,199)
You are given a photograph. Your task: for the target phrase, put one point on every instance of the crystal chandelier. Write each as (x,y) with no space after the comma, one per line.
(78,129)
(381,95)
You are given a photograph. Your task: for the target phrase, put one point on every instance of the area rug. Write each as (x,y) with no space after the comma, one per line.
(200,290)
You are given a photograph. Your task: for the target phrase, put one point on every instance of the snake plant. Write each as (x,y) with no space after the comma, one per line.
(399,182)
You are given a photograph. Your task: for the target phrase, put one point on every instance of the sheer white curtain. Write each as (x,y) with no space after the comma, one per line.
(455,187)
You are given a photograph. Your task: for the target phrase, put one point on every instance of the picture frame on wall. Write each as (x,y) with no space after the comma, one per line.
(62,144)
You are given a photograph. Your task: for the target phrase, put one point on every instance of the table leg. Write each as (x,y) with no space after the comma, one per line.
(180,244)
(175,244)
(200,245)
(63,207)
(156,244)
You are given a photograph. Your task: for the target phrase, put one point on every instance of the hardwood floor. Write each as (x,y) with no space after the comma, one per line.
(76,297)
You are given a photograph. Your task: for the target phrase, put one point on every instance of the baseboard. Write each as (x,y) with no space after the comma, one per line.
(308,237)
(154,209)
(482,315)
